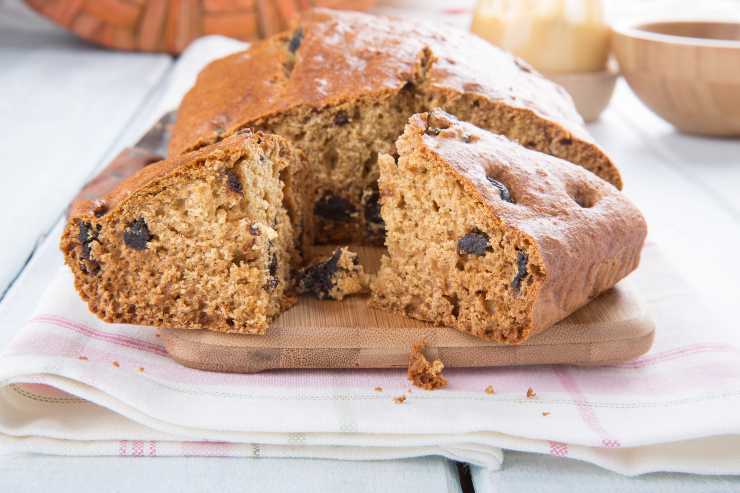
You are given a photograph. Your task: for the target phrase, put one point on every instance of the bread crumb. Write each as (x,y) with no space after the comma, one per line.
(490,390)
(116,364)
(423,374)
(400,399)
(378,389)
(82,358)
(531,394)
(545,413)
(157,334)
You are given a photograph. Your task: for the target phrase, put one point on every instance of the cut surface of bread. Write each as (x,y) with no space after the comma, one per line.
(202,241)
(342,85)
(494,239)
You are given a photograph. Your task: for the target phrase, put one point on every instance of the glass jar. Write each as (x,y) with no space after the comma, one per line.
(554,36)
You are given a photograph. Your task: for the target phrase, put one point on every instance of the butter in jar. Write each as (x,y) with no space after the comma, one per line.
(554,36)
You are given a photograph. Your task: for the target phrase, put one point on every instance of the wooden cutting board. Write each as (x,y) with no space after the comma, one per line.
(330,334)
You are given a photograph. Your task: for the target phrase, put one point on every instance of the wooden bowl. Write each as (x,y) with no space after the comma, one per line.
(688,72)
(591,91)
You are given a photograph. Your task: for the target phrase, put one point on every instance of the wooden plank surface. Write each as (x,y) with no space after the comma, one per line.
(33,474)
(539,473)
(54,131)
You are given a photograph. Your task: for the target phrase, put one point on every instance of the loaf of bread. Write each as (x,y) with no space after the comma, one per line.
(499,221)
(494,239)
(206,240)
(341,86)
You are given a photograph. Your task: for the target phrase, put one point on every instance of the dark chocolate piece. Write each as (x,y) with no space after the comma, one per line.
(341,118)
(502,189)
(86,235)
(334,208)
(522,259)
(295,40)
(136,235)
(232,179)
(318,279)
(474,243)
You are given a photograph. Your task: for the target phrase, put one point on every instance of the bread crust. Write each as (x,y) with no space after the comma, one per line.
(334,57)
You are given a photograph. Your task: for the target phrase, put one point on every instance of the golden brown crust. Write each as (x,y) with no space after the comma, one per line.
(129,162)
(335,57)
(121,179)
(116,184)
(588,235)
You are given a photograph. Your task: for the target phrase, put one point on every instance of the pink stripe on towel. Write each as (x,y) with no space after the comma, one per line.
(584,407)
(104,336)
(677,353)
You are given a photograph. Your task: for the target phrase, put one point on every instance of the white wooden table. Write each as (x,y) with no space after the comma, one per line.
(68,107)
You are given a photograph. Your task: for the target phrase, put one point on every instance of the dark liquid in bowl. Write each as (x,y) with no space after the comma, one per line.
(720,31)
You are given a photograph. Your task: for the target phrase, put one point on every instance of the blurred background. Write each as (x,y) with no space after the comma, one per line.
(169,26)
(569,41)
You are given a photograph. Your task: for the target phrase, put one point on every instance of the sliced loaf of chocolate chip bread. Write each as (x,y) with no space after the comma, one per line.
(492,238)
(203,241)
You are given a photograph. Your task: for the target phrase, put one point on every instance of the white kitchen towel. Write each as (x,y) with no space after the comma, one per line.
(71,384)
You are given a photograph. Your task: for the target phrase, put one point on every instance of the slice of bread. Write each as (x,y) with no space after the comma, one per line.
(203,241)
(492,238)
